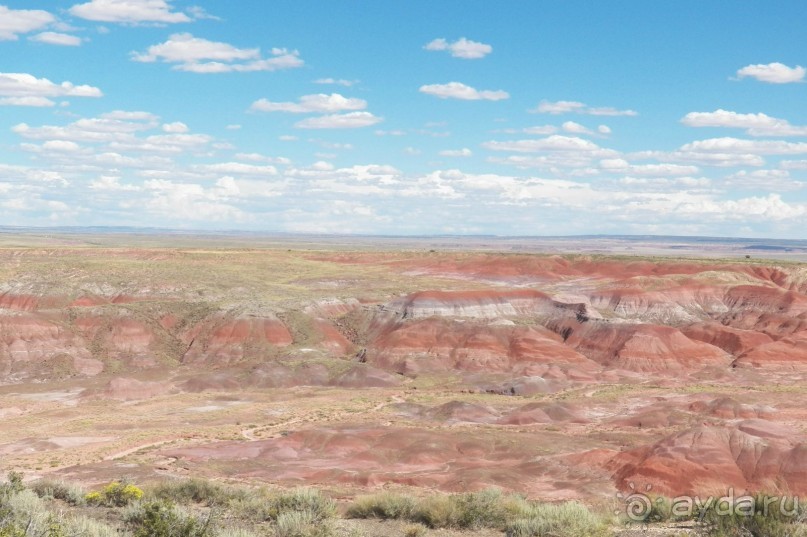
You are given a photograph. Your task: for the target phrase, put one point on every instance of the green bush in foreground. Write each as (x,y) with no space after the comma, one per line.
(765,516)
(163,519)
(60,490)
(384,505)
(200,491)
(485,509)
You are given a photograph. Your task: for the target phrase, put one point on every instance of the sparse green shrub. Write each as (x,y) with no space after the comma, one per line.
(570,519)
(303,500)
(13,485)
(87,527)
(765,518)
(163,519)
(196,491)
(304,523)
(255,508)
(384,505)
(60,490)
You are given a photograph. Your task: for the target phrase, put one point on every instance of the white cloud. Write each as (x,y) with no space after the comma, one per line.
(776,180)
(604,129)
(23,89)
(461,48)
(128,11)
(541,130)
(55,38)
(567,107)
(457,90)
(237,168)
(20,21)
(26,101)
(552,143)
(619,165)
(729,145)
(464,152)
(773,73)
(197,55)
(575,128)
(319,103)
(755,124)
(336,82)
(352,120)
(175,128)
(112,184)
(794,164)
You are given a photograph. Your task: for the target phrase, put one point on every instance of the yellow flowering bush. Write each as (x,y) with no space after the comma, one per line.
(115,494)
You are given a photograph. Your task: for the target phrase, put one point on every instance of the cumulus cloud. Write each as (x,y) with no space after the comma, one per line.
(552,143)
(755,124)
(461,48)
(14,22)
(55,38)
(778,180)
(457,90)
(23,89)
(464,152)
(576,128)
(197,55)
(773,73)
(352,120)
(129,11)
(575,107)
(319,103)
(176,127)
(728,145)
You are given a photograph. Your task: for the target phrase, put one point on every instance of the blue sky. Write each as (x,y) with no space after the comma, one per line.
(416,117)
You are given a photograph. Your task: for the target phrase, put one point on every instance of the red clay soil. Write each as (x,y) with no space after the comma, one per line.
(446,345)
(373,456)
(222,340)
(732,340)
(754,455)
(641,347)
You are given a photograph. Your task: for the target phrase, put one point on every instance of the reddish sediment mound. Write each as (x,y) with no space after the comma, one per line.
(33,347)
(641,347)
(787,353)
(286,375)
(19,302)
(673,305)
(732,340)
(224,340)
(543,413)
(479,304)
(365,376)
(755,455)
(330,339)
(118,336)
(445,345)
(127,389)
(729,408)
(373,456)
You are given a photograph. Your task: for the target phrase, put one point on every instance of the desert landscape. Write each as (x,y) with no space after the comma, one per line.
(361,369)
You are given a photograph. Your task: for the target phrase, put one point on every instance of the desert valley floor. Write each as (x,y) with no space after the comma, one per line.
(572,376)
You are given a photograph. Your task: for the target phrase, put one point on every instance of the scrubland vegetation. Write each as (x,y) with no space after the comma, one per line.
(200,508)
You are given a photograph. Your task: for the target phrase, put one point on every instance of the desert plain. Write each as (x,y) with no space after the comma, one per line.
(432,365)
